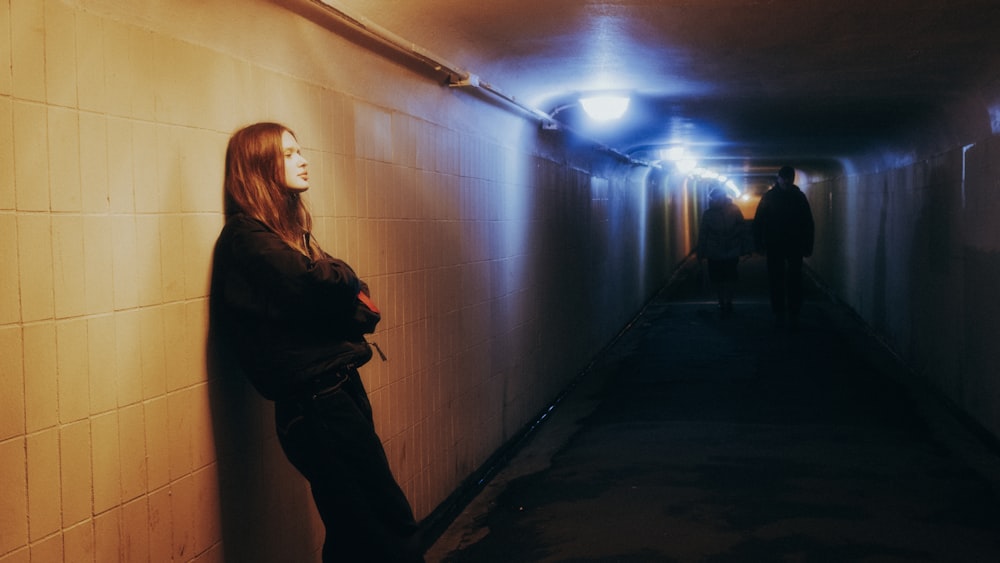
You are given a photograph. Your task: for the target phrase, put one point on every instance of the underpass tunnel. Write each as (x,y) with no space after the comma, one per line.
(506,237)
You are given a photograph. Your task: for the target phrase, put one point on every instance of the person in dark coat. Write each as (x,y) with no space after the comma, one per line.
(783,231)
(721,243)
(294,318)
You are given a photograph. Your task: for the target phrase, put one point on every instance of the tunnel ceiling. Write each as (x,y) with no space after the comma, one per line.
(747,82)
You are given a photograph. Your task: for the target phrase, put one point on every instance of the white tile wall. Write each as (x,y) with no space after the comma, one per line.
(40,389)
(27,54)
(31,157)
(44,488)
(75,470)
(106,458)
(5,49)
(108,535)
(72,369)
(112,138)
(10,304)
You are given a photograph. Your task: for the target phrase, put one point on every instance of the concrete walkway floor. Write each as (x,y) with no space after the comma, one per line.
(697,438)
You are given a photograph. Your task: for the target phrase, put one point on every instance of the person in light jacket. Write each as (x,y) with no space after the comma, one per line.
(721,242)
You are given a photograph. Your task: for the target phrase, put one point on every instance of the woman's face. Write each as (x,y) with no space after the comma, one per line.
(296,166)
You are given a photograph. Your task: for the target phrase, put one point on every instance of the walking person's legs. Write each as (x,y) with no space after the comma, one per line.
(776,279)
(794,288)
(723,274)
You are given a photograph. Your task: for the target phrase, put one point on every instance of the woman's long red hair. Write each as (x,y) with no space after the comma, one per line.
(254,184)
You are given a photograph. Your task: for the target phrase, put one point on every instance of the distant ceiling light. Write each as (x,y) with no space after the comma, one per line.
(686,165)
(605,108)
(683,161)
(674,154)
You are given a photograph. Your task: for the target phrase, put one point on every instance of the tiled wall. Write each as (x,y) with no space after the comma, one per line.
(914,249)
(501,272)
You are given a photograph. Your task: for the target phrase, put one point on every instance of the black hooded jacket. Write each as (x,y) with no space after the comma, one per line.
(286,318)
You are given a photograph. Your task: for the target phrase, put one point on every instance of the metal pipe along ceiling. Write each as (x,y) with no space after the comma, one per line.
(457,77)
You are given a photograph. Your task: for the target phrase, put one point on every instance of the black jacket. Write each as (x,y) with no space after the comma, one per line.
(783,224)
(287,319)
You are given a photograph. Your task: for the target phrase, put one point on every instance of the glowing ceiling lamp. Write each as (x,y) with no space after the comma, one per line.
(605,108)
(684,161)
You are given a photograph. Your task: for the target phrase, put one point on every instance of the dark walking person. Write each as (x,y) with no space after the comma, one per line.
(721,242)
(296,319)
(783,231)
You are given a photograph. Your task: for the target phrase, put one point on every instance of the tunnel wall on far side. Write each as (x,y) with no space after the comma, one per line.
(909,237)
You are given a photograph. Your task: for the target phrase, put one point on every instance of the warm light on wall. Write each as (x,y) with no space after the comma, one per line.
(605,108)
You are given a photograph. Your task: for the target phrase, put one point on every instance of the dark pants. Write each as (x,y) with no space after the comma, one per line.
(331,440)
(784,276)
(723,271)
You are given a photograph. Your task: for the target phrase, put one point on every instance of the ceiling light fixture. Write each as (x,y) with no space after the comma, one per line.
(605,108)
(682,159)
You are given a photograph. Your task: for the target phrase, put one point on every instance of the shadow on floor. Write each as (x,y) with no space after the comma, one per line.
(697,438)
